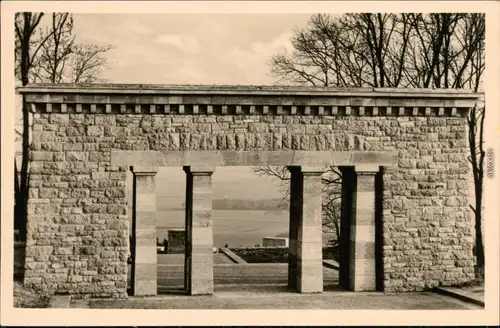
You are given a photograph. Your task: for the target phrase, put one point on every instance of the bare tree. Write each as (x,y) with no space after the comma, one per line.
(383,50)
(50,64)
(331,218)
(62,60)
(87,62)
(47,55)
(437,50)
(279,174)
(25,52)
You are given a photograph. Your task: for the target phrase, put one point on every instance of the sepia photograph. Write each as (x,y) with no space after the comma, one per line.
(311,160)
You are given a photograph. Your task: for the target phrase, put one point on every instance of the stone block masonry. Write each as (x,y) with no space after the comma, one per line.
(78,242)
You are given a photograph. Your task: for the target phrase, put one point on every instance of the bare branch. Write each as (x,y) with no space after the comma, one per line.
(418,50)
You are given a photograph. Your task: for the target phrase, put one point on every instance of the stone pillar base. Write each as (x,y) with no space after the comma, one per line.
(362,264)
(310,234)
(199,232)
(144,274)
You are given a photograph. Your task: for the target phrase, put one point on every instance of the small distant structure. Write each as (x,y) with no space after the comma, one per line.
(274,242)
(176,240)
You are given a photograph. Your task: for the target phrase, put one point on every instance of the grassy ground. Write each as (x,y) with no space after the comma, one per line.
(24,298)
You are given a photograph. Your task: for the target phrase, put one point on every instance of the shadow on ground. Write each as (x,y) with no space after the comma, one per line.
(170,273)
(280,297)
(264,286)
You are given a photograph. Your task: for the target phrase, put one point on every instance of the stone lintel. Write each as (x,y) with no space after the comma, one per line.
(143,170)
(313,170)
(366,169)
(211,159)
(307,169)
(199,169)
(316,158)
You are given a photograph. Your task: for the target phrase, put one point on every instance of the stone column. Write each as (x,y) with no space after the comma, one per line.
(199,227)
(310,234)
(144,232)
(362,266)
(295,213)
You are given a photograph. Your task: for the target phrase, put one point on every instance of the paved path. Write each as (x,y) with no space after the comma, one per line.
(474,294)
(263,286)
(278,297)
(233,256)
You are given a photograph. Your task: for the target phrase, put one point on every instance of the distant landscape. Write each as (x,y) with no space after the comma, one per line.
(233,227)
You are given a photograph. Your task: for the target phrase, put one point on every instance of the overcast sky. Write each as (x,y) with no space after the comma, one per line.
(189,48)
(194,49)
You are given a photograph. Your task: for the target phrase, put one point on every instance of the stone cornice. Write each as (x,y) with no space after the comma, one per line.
(246,100)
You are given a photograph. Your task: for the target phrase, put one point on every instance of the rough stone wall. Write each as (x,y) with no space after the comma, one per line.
(78,237)
(78,226)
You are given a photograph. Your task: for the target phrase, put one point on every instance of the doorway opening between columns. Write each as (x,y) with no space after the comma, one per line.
(360,263)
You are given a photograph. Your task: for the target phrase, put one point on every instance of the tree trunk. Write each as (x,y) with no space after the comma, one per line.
(479,235)
(21,197)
